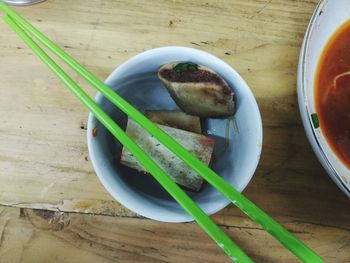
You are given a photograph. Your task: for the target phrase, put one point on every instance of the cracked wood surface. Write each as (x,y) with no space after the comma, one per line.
(46,236)
(44,163)
(41,236)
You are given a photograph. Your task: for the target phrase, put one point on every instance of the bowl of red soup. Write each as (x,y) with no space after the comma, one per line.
(324,88)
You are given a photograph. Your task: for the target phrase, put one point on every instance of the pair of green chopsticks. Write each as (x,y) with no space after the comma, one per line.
(22,28)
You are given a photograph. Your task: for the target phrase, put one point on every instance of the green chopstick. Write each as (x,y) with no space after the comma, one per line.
(275,229)
(229,247)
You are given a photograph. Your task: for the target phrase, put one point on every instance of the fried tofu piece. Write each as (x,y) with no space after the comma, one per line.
(176,119)
(199,145)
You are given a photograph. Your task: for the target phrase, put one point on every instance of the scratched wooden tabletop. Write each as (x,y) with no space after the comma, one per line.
(53,207)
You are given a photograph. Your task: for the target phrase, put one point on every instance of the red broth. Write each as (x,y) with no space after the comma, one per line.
(332,93)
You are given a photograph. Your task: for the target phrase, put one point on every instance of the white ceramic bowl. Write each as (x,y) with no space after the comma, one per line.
(327,18)
(136,80)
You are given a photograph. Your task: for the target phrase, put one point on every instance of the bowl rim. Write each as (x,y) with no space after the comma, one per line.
(303,106)
(123,201)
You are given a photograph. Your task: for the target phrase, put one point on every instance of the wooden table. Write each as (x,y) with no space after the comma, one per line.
(53,207)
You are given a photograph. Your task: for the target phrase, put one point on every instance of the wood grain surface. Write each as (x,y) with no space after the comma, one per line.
(54,209)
